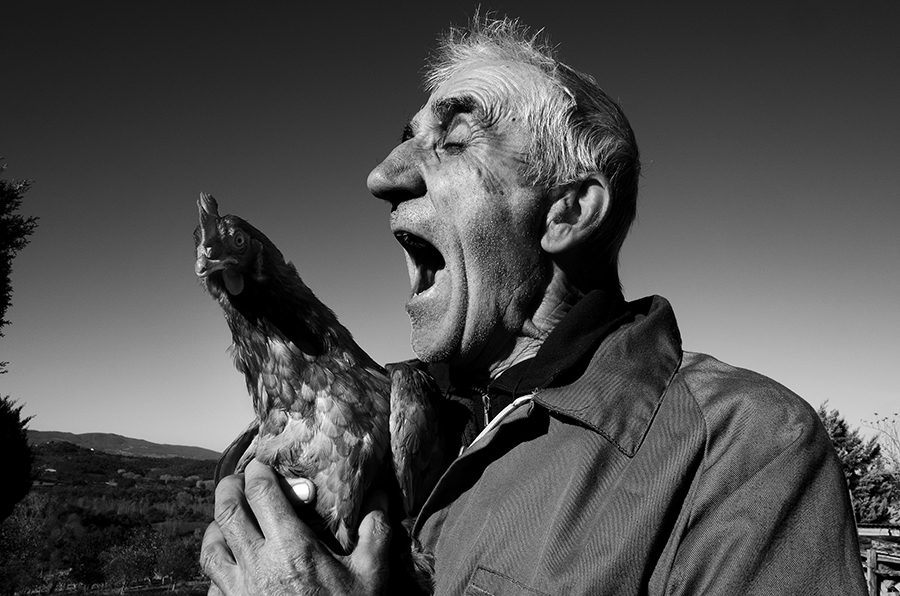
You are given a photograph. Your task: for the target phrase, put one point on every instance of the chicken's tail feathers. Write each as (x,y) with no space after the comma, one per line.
(417,444)
(423,567)
(418,562)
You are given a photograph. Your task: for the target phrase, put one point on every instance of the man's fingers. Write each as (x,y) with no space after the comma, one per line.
(216,558)
(273,511)
(257,542)
(371,551)
(234,520)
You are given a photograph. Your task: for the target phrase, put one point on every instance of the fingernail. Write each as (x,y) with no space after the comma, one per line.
(301,490)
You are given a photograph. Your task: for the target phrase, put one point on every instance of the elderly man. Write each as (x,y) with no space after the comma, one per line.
(597,457)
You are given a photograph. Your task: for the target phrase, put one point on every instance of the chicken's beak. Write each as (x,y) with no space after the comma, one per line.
(205,266)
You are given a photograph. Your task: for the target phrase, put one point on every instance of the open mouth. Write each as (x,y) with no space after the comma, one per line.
(426,259)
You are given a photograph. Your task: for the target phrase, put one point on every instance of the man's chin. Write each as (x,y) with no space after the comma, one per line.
(428,350)
(432,343)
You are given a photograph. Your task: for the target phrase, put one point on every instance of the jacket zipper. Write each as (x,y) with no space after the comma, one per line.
(486,401)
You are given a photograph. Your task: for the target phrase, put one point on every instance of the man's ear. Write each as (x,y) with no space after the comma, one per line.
(576,214)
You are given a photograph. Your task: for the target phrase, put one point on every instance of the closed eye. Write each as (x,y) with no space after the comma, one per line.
(458,134)
(454,147)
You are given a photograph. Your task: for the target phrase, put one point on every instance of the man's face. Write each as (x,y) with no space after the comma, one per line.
(469,222)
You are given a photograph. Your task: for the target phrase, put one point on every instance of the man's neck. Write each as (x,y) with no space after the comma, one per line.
(558,300)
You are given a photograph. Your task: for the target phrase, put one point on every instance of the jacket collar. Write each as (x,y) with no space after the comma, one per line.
(606,365)
(562,357)
(623,384)
(616,395)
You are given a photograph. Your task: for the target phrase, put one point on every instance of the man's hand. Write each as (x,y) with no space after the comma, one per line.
(257,545)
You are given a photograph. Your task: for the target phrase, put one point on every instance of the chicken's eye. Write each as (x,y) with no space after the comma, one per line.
(239,240)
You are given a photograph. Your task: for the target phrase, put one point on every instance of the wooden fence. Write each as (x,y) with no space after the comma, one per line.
(879,565)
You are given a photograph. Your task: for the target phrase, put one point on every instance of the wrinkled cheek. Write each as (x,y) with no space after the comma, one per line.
(501,286)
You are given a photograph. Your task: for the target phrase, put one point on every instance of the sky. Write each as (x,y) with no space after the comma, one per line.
(768,211)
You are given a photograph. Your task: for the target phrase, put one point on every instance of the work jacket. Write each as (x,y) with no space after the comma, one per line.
(653,471)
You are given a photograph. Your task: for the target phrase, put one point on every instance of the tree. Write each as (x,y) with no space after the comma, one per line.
(888,428)
(86,565)
(872,487)
(14,233)
(17,453)
(131,561)
(22,535)
(180,559)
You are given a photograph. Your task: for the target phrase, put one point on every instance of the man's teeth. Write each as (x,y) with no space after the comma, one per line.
(411,241)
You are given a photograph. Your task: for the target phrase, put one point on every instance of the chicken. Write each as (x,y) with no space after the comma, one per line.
(324,409)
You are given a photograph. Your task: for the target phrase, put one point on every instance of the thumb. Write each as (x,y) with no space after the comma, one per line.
(370,557)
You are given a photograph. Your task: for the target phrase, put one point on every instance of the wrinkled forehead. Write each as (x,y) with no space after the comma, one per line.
(504,89)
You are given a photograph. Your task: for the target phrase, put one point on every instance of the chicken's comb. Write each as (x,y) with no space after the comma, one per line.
(209,213)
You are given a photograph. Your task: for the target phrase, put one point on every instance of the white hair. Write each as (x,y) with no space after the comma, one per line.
(576,128)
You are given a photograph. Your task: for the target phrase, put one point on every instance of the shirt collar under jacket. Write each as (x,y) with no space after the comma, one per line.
(567,350)
(567,347)
(563,355)
(642,360)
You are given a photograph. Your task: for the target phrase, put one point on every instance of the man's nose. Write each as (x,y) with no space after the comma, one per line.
(397,178)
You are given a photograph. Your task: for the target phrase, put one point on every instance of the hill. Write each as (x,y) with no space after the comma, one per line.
(112,443)
(64,463)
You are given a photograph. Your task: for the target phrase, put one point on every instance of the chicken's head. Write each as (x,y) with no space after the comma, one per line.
(227,251)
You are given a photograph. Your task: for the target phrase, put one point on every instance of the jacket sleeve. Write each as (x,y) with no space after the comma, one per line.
(771,512)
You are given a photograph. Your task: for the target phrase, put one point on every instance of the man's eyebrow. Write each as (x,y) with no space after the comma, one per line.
(407,132)
(446,108)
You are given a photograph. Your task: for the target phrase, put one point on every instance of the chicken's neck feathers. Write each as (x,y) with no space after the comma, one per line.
(278,324)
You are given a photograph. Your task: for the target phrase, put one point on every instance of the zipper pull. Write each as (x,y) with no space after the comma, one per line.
(486,400)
